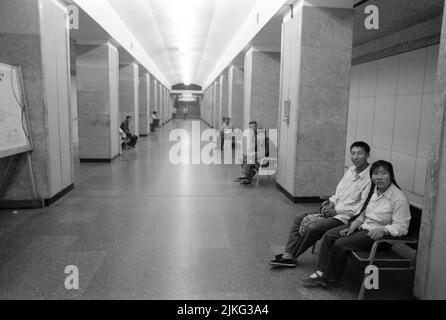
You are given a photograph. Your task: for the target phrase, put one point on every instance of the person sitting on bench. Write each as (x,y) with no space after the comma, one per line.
(385,211)
(333,213)
(251,160)
(125,127)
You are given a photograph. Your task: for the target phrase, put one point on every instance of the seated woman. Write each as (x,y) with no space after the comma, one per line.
(385,212)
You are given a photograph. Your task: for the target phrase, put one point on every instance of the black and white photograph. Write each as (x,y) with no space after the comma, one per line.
(223,158)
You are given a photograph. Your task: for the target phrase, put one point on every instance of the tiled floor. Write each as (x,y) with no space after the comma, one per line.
(142,228)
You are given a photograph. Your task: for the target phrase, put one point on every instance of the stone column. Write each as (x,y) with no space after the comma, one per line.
(152,96)
(98,86)
(207,107)
(235,104)
(156,97)
(224,96)
(161,103)
(430,282)
(73,108)
(165,106)
(144,104)
(128,94)
(30,30)
(212,105)
(262,84)
(316,64)
(215,120)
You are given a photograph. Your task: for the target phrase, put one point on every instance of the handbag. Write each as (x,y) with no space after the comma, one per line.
(309,220)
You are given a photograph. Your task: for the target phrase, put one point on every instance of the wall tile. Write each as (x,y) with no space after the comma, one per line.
(367,81)
(380,154)
(404,166)
(407,124)
(387,76)
(354,80)
(411,72)
(402,113)
(431,69)
(364,130)
(384,122)
(352,118)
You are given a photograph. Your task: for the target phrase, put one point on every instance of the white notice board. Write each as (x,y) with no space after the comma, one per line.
(14,132)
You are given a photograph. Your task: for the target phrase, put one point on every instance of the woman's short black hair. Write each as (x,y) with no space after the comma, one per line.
(361,144)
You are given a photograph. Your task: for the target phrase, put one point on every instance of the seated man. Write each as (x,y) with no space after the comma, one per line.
(125,127)
(226,125)
(336,212)
(385,212)
(155,121)
(251,161)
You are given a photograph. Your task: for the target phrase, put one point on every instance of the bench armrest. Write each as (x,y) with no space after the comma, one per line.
(391,240)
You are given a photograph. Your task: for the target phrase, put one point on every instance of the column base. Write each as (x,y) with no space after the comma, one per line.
(99,160)
(316,199)
(21,204)
(58,196)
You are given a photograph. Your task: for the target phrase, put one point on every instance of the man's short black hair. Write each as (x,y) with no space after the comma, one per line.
(361,144)
(126,118)
(253,122)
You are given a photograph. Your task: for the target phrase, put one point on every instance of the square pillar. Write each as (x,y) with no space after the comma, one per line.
(224,96)
(262,88)
(128,94)
(236,80)
(217,118)
(144,104)
(159,93)
(34,35)
(98,90)
(207,107)
(430,283)
(152,96)
(156,97)
(315,77)
(212,105)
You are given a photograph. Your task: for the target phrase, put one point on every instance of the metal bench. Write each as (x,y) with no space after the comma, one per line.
(390,260)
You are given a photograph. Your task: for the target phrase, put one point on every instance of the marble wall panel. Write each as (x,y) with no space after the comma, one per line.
(235,103)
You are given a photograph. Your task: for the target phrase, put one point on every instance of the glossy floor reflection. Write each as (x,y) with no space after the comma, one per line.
(142,228)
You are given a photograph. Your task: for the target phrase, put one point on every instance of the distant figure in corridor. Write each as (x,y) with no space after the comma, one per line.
(185,111)
(251,161)
(308,228)
(226,125)
(125,127)
(385,212)
(155,121)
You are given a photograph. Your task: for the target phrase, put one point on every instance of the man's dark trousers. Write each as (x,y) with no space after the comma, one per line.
(133,139)
(299,244)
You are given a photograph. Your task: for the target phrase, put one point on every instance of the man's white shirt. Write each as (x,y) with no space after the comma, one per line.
(348,196)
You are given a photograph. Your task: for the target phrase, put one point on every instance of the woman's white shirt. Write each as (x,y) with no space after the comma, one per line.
(389,211)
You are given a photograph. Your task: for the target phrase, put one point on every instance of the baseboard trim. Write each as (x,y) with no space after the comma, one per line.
(298,199)
(99,160)
(55,198)
(21,204)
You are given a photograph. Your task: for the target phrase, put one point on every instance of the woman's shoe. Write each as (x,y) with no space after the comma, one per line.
(315,282)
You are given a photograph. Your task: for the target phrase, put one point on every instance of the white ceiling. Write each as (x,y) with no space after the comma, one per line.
(201,28)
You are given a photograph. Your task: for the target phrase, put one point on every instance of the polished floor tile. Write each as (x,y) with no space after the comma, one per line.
(142,228)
